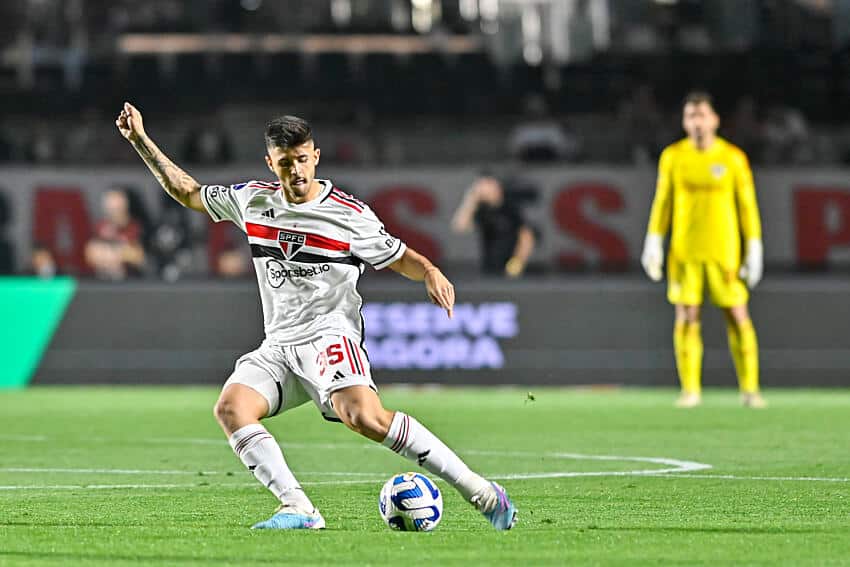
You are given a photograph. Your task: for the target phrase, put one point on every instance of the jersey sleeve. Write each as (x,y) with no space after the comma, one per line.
(661,213)
(745,191)
(371,242)
(226,202)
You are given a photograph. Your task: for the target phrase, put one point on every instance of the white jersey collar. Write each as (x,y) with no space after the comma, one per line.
(326,190)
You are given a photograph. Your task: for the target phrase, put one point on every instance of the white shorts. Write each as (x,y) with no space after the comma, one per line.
(290,375)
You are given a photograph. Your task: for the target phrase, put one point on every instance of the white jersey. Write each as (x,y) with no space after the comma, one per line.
(308,257)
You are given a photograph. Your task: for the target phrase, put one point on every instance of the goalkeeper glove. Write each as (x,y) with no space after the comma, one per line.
(753,266)
(652,258)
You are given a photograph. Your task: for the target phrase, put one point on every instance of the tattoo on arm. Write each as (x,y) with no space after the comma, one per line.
(176,182)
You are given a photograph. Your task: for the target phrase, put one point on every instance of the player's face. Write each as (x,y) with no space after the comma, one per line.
(490,192)
(115,205)
(295,166)
(699,121)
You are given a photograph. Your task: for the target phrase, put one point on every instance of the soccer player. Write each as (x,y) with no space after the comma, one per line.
(705,191)
(310,241)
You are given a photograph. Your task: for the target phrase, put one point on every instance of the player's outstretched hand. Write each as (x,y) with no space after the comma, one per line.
(652,258)
(440,290)
(130,123)
(753,267)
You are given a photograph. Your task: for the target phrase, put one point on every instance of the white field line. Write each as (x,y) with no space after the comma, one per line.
(775,478)
(285,444)
(23,438)
(673,465)
(100,471)
(159,472)
(381,479)
(170,486)
(200,441)
(672,468)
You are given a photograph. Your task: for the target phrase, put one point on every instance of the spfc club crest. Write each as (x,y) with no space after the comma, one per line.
(290,243)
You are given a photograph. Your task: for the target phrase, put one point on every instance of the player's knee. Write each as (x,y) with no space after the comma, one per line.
(688,316)
(223,411)
(738,316)
(227,412)
(372,424)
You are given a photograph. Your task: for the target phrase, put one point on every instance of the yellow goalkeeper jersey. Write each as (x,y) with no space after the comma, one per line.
(710,200)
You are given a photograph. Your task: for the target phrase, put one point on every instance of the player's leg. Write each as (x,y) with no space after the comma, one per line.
(335,371)
(730,294)
(360,408)
(687,343)
(249,395)
(685,287)
(743,346)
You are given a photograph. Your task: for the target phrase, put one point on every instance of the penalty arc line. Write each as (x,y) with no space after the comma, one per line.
(381,479)
(744,477)
(679,469)
(157,472)
(22,438)
(170,486)
(674,466)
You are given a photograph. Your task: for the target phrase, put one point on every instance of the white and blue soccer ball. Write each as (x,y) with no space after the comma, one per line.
(411,502)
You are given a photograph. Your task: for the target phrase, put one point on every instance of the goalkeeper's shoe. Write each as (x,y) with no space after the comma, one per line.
(688,400)
(496,506)
(753,400)
(290,518)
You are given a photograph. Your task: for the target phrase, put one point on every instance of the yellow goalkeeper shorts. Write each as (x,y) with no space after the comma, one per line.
(685,281)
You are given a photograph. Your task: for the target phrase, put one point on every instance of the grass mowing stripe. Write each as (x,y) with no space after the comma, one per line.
(651,519)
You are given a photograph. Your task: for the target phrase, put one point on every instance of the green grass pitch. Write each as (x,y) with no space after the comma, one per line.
(142,476)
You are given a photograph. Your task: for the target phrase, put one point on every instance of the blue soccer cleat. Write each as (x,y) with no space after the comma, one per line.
(502,513)
(291,520)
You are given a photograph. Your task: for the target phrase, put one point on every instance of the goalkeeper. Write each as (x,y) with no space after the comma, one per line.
(705,191)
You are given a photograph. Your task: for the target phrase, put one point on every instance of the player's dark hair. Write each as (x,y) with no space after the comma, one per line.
(287,132)
(698,97)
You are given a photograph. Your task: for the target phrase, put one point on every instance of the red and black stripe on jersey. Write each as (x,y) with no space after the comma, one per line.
(346,200)
(260,251)
(348,197)
(310,239)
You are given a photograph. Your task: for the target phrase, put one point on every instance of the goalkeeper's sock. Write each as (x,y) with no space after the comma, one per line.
(743,345)
(259,451)
(687,342)
(412,440)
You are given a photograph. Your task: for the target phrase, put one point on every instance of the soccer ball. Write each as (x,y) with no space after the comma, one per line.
(411,502)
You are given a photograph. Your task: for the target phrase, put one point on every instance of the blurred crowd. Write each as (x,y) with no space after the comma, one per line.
(62,78)
(634,133)
(128,241)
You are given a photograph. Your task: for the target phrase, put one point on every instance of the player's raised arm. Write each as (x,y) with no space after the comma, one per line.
(464,217)
(176,182)
(417,267)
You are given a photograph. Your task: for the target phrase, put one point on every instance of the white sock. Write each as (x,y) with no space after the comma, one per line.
(259,451)
(412,440)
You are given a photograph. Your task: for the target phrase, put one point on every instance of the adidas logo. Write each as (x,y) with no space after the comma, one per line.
(337,376)
(269,214)
(421,457)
